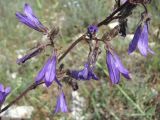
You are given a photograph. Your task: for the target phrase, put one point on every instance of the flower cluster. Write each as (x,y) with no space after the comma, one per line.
(49,71)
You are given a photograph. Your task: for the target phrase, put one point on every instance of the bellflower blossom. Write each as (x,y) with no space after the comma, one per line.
(48,72)
(61,104)
(115,67)
(85,74)
(3,93)
(28,18)
(140,40)
(29,56)
(92,30)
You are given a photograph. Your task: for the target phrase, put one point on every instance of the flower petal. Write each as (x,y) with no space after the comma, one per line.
(61,104)
(41,74)
(1,88)
(74,74)
(92,75)
(22,18)
(7,90)
(133,43)
(2,97)
(29,19)
(50,74)
(120,66)
(83,74)
(113,71)
(143,41)
(28,10)
(30,15)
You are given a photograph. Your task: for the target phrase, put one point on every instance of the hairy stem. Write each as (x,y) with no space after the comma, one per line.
(71,47)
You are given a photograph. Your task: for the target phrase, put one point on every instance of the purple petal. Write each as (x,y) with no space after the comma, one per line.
(57,109)
(41,74)
(28,10)
(50,74)
(22,18)
(61,104)
(113,71)
(1,88)
(30,15)
(29,19)
(3,93)
(126,75)
(92,75)
(2,97)
(92,29)
(134,42)
(7,90)
(74,74)
(120,66)
(143,42)
(83,74)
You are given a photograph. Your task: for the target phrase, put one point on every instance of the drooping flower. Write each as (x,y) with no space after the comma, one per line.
(29,56)
(140,40)
(61,105)
(115,67)
(3,93)
(28,18)
(85,74)
(48,72)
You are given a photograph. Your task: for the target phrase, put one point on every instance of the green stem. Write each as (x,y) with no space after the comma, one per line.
(124,93)
(129,99)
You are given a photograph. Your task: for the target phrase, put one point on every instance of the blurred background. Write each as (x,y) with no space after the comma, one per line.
(138,99)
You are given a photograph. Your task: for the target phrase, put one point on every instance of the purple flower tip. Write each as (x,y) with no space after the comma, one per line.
(3,93)
(61,105)
(48,72)
(92,29)
(28,18)
(85,74)
(115,67)
(140,40)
